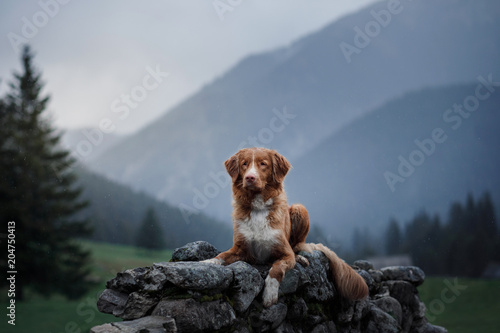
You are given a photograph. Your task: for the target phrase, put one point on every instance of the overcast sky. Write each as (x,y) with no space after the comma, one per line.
(95,53)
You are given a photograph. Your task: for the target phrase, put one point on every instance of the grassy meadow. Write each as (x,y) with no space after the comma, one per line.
(58,315)
(460,305)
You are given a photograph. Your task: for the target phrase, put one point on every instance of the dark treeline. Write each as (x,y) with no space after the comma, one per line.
(462,246)
(150,234)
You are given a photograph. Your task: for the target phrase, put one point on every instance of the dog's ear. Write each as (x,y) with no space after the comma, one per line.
(232,167)
(281,166)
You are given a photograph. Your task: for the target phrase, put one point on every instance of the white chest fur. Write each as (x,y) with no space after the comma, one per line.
(259,236)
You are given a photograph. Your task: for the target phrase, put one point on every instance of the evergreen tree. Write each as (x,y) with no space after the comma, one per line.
(420,241)
(393,238)
(482,245)
(436,247)
(487,224)
(38,193)
(363,244)
(469,241)
(150,233)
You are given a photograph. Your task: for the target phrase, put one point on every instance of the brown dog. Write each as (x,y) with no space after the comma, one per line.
(267,230)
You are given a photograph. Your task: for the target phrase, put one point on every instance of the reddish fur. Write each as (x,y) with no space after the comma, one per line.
(292,222)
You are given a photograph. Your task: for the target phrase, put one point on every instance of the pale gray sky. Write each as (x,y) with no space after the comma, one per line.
(92,53)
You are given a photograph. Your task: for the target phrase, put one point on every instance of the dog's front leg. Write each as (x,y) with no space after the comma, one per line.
(274,278)
(225,258)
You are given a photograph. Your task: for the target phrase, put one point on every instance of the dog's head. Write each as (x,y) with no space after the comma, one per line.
(256,168)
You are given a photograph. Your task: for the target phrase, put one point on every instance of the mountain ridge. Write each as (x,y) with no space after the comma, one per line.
(174,157)
(461,159)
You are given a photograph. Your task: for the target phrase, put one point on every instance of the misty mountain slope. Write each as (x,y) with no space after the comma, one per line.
(77,140)
(343,180)
(313,91)
(115,213)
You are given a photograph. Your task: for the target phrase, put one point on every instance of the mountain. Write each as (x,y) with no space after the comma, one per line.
(88,143)
(293,98)
(115,213)
(412,153)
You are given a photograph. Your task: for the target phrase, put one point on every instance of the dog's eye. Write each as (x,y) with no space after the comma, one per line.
(244,163)
(263,163)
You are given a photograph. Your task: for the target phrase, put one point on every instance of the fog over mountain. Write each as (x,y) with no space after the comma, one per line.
(410,154)
(342,104)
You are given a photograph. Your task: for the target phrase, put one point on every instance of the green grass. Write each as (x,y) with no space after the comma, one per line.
(469,305)
(58,315)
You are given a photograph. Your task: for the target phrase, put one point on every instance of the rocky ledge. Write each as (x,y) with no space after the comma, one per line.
(187,296)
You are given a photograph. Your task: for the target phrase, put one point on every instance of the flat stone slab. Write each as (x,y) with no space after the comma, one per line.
(410,274)
(196,275)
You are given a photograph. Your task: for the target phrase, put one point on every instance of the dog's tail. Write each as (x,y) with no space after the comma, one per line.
(348,282)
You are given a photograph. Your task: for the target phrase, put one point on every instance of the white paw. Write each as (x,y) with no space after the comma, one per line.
(301,260)
(271,289)
(215,261)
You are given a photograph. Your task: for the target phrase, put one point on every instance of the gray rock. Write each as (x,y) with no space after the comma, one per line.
(269,318)
(195,275)
(381,322)
(247,284)
(404,292)
(192,316)
(328,327)
(368,279)
(106,328)
(348,329)
(242,330)
(275,314)
(420,311)
(376,275)
(190,296)
(195,251)
(109,300)
(363,264)
(129,280)
(150,324)
(313,320)
(390,306)
(154,280)
(344,315)
(285,327)
(137,306)
(429,328)
(290,282)
(382,291)
(361,309)
(410,274)
(351,312)
(319,288)
(297,311)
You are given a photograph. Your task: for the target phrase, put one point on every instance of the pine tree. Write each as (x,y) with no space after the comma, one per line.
(482,248)
(418,237)
(38,193)
(393,238)
(364,244)
(150,233)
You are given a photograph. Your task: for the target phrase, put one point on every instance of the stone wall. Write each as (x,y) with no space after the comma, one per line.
(186,296)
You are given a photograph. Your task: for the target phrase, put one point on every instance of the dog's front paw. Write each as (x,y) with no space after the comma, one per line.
(301,260)
(271,289)
(215,261)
